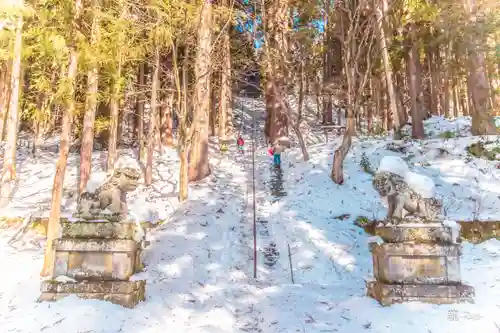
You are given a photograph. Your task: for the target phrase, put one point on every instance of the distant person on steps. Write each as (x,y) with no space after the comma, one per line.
(241,143)
(277,150)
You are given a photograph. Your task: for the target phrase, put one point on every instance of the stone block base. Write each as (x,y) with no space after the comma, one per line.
(96,259)
(124,293)
(416,263)
(388,294)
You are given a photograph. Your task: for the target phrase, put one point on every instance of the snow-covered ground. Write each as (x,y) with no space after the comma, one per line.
(199,264)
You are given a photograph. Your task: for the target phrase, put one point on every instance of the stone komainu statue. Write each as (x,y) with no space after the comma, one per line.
(400,198)
(111,194)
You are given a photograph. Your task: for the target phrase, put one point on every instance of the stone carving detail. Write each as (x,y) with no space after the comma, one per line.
(401,198)
(111,194)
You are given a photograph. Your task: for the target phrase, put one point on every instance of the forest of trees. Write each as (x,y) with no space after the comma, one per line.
(87,70)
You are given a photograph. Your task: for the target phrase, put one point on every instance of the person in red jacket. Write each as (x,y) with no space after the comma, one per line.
(240,142)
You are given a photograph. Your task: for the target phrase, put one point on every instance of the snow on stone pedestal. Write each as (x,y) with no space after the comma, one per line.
(98,258)
(417,262)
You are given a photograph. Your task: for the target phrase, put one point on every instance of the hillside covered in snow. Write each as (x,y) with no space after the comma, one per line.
(199,265)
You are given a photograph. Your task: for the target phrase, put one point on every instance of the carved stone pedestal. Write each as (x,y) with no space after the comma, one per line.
(388,294)
(125,293)
(417,262)
(101,257)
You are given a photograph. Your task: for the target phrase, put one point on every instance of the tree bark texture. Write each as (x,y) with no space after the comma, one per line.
(382,12)
(184,139)
(167,122)
(55,207)
(339,156)
(153,118)
(90,111)
(5,97)
(226,95)
(414,84)
(327,63)
(114,118)
(199,166)
(276,72)
(9,161)
(482,114)
(140,111)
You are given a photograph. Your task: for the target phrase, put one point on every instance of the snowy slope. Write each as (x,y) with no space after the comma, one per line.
(199,265)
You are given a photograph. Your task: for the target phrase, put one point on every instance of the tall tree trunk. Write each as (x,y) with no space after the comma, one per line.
(3,83)
(140,111)
(268,98)
(317,95)
(381,102)
(56,119)
(439,77)
(382,12)
(490,77)
(53,225)
(354,86)
(214,109)
(412,63)
(482,114)
(9,161)
(168,139)
(447,79)
(276,68)
(184,140)
(157,127)
(399,84)
(434,78)
(153,117)
(199,166)
(370,107)
(337,173)
(90,110)
(496,79)
(462,96)
(327,64)
(166,109)
(301,94)
(163,121)
(38,120)
(114,118)
(44,112)
(5,97)
(183,171)
(456,97)
(226,95)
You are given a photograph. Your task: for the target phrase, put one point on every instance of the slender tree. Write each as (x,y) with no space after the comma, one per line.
(9,161)
(53,226)
(199,166)
(226,98)
(382,13)
(153,121)
(90,105)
